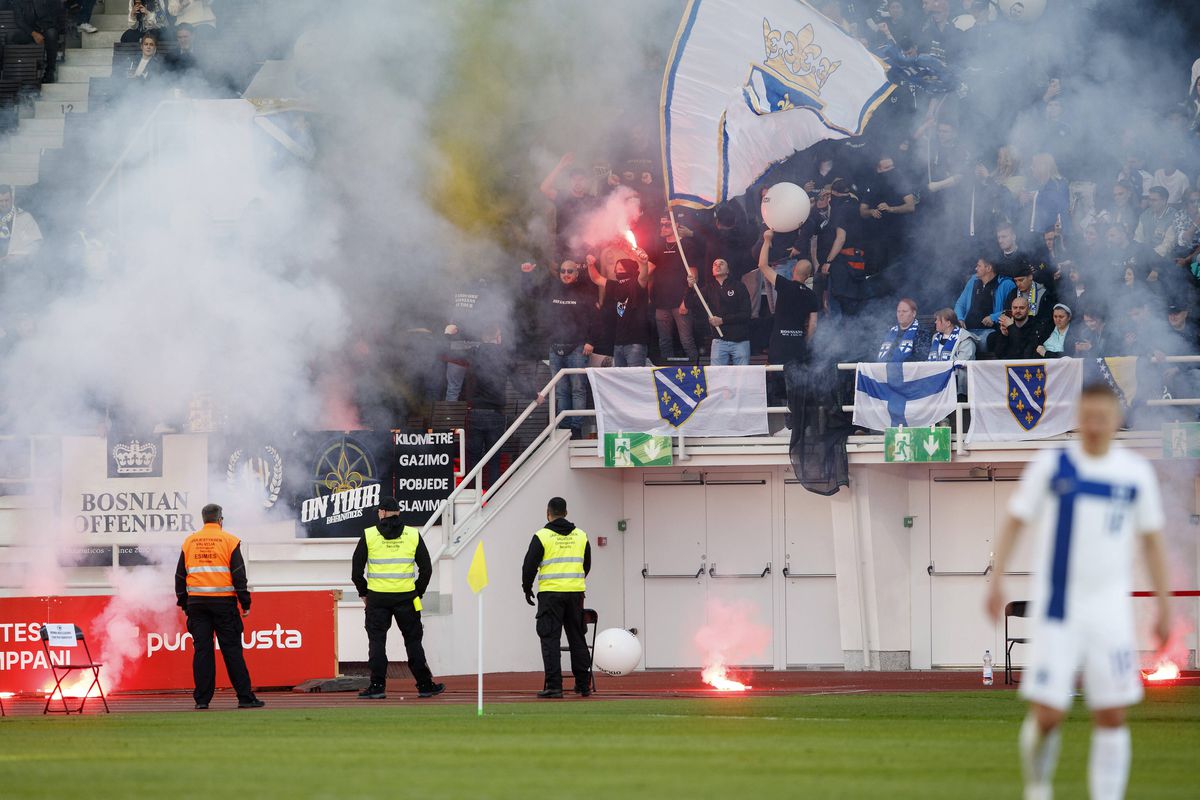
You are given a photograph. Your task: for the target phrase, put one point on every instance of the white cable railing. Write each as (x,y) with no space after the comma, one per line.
(447,513)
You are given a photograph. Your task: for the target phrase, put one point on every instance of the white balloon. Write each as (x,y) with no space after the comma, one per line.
(785,207)
(1022,10)
(618,652)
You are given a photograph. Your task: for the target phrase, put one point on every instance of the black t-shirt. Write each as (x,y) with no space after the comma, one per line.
(569,312)
(886,187)
(789,335)
(668,282)
(628,299)
(824,228)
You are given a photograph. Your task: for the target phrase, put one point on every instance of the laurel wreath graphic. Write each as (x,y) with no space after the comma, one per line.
(272,483)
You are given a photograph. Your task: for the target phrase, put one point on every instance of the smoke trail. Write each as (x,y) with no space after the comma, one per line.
(732,635)
(142,600)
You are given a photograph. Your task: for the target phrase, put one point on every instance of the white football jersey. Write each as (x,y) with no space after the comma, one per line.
(1086,515)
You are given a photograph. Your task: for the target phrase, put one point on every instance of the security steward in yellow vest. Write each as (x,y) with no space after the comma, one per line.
(559,557)
(210,582)
(391,570)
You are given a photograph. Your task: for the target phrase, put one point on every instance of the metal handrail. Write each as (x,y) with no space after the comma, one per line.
(646,573)
(712,572)
(473,479)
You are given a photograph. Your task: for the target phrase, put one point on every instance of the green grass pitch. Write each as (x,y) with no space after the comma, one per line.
(959,746)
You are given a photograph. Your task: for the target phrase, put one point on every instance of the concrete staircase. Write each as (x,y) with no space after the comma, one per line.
(41,125)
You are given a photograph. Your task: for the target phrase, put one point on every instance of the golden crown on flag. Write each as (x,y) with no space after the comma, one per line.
(795,55)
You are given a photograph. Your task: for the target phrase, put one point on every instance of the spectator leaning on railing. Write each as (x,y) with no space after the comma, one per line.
(952,342)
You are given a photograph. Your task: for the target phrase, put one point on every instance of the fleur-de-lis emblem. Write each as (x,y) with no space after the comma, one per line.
(679,375)
(786,103)
(342,478)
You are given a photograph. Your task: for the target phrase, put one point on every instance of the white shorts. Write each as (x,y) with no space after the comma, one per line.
(1102,647)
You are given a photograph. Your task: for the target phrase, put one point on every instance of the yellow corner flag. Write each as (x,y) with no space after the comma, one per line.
(477,573)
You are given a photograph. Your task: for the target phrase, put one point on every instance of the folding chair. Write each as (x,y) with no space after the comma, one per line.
(61,671)
(1016,608)
(590,617)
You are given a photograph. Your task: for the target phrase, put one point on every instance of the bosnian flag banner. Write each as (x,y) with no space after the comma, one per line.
(1013,401)
(690,400)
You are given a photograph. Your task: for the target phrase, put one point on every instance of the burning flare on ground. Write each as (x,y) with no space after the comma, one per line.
(716,676)
(1167,670)
(732,635)
(76,687)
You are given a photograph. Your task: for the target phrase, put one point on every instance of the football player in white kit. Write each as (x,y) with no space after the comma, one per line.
(1090,505)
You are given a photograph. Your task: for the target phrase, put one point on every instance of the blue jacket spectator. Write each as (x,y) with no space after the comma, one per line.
(982,300)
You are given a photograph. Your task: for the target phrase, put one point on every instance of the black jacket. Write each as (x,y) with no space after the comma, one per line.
(391,528)
(237,569)
(35,15)
(535,553)
(731,302)
(1020,342)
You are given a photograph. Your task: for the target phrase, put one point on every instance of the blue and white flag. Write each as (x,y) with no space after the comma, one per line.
(1014,401)
(749,83)
(911,393)
(691,400)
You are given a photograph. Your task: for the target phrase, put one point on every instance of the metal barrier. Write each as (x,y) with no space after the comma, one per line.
(448,515)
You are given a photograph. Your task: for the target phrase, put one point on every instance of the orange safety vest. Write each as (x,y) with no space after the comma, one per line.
(206,555)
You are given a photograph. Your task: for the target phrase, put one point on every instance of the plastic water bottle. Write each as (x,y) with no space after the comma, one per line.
(987,667)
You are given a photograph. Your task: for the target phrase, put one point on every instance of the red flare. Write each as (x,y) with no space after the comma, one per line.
(629,237)
(716,677)
(1167,670)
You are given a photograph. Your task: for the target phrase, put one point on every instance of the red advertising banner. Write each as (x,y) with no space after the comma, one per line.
(289,638)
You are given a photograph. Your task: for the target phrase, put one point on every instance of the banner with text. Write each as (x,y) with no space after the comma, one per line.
(422,472)
(336,481)
(150,488)
(289,638)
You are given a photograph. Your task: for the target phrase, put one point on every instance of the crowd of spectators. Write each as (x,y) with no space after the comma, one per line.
(970,222)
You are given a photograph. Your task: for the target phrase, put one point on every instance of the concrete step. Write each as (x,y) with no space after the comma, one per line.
(41,127)
(65,92)
(19,162)
(18,177)
(78,57)
(82,74)
(19,143)
(104,40)
(57,109)
(109,22)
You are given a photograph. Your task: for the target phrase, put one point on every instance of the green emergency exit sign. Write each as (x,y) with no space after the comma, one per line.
(916,445)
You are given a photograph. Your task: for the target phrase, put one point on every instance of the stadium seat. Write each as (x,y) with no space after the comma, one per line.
(25,63)
(61,671)
(1016,608)
(590,617)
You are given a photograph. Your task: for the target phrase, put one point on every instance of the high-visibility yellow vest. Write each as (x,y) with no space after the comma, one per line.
(206,555)
(561,569)
(391,563)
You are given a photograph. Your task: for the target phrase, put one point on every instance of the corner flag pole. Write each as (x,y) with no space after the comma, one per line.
(477,579)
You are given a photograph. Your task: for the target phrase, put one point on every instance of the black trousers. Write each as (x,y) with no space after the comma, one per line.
(51,44)
(382,608)
(204,620)
(556,612)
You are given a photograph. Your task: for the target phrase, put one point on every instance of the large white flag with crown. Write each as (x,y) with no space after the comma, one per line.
(749,83)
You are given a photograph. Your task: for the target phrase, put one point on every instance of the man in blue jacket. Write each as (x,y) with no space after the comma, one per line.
(982,300)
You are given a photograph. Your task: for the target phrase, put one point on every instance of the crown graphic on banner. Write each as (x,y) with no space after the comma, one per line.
(135,458)
(795,57)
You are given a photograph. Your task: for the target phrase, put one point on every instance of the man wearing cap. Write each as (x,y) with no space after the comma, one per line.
(391,569)
(559,557)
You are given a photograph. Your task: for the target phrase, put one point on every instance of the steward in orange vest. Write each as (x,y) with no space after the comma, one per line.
(210,581)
